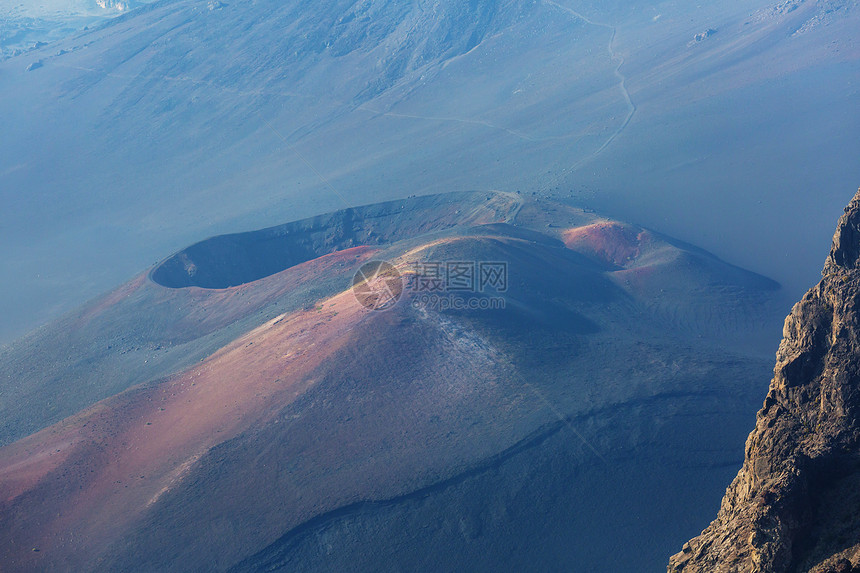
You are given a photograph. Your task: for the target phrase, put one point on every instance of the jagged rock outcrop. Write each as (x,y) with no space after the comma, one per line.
(795,504)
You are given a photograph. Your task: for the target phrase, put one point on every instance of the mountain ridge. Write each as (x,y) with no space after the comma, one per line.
(792,507)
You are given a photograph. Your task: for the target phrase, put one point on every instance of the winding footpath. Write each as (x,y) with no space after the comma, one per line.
(615,57)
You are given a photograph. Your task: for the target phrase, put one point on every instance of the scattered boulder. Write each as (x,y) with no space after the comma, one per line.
(702,36)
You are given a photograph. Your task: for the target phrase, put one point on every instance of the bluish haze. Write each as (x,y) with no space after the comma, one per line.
(187,119)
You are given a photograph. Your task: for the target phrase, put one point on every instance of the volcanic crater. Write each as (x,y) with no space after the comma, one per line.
(244,384)
(230,260)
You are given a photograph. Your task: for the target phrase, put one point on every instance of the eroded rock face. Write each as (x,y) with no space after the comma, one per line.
(795,504)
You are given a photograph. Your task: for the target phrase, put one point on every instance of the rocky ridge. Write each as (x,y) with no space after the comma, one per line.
(793,505)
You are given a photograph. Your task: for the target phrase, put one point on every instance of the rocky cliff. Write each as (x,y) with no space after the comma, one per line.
(795,504)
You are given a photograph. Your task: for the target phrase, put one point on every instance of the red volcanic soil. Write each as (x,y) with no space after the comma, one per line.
(106,465)
(608,241)
(134,418)
(150,328)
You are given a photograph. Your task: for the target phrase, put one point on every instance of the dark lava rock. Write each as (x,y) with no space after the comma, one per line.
(795,506)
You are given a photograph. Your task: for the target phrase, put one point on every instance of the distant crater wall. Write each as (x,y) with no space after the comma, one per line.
(230,260)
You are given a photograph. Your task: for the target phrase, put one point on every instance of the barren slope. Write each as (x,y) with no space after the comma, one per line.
(234,426)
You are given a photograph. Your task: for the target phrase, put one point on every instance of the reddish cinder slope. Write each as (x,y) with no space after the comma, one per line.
(161,323)
(70,489)
(608,241)
(107,466)
(117,458)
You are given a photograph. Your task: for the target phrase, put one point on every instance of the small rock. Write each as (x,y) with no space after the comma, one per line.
(701,36)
